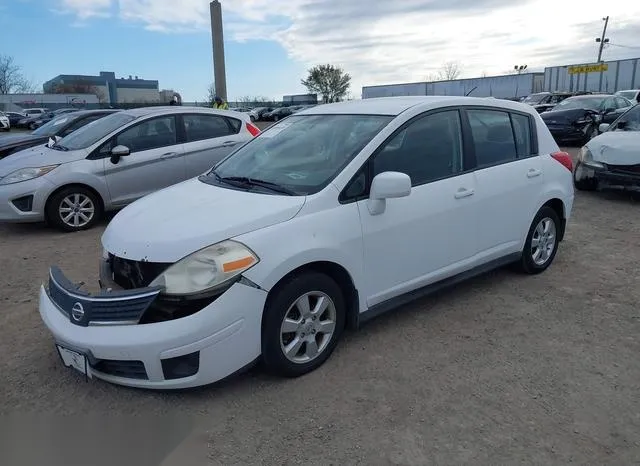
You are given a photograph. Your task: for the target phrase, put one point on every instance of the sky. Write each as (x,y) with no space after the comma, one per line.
(269,44)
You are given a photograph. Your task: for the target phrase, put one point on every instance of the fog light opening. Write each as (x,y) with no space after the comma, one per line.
(181,366)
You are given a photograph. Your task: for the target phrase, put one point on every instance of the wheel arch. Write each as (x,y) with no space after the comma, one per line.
(558,206)
(336,272)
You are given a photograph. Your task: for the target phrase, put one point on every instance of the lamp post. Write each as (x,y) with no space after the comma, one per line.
(602,40)
(520,68)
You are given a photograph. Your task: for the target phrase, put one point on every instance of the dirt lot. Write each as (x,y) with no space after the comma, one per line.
(505,369)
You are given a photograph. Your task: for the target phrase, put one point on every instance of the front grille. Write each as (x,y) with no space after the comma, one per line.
(631,169)
(130,274)
(125,369)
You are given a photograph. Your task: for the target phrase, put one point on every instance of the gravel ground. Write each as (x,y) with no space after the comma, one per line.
(505,369)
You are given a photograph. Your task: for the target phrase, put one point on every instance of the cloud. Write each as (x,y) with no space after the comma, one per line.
(381,41)
(85,9)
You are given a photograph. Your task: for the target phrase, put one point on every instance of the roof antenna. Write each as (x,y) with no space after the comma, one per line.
(467,94)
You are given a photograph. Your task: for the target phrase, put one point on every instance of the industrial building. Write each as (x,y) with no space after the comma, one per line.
(607,77)
(18,102)
(109,89)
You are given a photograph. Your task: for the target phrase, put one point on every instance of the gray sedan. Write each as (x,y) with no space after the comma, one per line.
(113,161)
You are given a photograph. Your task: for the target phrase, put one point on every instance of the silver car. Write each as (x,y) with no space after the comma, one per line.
(113,161)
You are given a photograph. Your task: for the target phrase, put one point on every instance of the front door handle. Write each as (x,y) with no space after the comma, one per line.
(533,172)
(463,192)
(168,155)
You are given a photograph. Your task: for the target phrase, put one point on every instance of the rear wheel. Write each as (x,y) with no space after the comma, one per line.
(73,209)
(542,241)
(302,324)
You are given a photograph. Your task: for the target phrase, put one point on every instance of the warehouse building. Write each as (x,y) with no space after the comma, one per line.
(606,77)
(109,89)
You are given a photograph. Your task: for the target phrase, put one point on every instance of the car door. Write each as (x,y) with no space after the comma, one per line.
(155,160)
(208,139)
(430,234)
(508,178)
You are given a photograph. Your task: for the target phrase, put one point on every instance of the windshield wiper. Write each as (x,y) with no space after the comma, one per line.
(59,147)
(246,181)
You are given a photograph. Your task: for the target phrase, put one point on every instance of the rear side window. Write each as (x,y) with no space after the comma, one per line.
(200,127)
(522,131)
(493,137)
(235,124)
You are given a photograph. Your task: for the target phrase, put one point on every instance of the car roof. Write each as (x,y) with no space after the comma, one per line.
(168,109)
(394,106)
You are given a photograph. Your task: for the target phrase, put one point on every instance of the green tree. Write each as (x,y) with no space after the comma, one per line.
(329,81)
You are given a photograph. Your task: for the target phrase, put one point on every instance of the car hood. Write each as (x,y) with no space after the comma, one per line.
(174,222)
(616,147)
(38,156)
(564,115)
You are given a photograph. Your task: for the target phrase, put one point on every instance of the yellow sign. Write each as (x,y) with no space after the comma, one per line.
(597,68)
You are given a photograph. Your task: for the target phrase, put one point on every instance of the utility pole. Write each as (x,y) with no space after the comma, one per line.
(603,40)
(217,40)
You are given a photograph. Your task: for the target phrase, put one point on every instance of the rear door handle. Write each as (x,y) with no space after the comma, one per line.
(168,155)
(533,172)
(463,192)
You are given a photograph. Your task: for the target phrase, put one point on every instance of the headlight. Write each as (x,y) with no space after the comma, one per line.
(586,157)
(25,174)
(207,269)
(583,121)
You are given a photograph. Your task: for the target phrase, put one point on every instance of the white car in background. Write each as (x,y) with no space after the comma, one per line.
(327,219)
(631,94)
(5,124)
(611,161)
(109,163)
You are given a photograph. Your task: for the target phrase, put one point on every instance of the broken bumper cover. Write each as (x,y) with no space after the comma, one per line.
(191,351)
(611,177)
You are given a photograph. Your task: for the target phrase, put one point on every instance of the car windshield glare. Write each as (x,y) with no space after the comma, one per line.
(577,103)
(51,127)
(96,130)
(302,153)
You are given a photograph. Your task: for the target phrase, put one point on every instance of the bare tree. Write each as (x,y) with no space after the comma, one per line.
(450,70)
(12,80)
(211,93)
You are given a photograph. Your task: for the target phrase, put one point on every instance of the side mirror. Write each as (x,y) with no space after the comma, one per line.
(603,127)
(120,151)
(387,185)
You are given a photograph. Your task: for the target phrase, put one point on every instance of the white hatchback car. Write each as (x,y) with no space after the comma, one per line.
(328,218)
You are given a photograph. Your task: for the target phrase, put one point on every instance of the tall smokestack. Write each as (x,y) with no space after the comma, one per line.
(217,40)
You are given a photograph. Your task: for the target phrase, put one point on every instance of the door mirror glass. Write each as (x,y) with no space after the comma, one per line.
(120,151)
(603,127)
(387,185)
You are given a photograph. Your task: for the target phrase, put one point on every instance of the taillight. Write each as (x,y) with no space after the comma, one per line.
(564,159)
(253,129)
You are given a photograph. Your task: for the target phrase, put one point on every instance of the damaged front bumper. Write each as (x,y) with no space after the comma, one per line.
(609,177)
(107,332)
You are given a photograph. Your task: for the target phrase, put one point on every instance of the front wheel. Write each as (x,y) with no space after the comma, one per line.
(302,324)
(74,209)
(542,241)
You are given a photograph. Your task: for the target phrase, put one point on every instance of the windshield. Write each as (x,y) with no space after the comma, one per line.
(303,153)
(94,131)
(631,95)
(51,127)
(573,103)
(534,98)
(630,120)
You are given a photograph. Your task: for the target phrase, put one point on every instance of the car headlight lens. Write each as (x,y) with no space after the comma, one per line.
(586,157)
(25,174)
(206,270)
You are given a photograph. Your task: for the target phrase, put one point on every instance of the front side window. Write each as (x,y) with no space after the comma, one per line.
(621,103)
(630,120)
(302,154)
(429,149)
(200,127)
(492,137)
(150,134)
(93,132)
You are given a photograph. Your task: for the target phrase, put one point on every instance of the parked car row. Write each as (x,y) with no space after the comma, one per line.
(275,113)
(100,160)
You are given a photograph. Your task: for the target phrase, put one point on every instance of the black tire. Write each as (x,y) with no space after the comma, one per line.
(526,263)
(32,126)
(589,184)
(54,216)
(252,118)
(276,309)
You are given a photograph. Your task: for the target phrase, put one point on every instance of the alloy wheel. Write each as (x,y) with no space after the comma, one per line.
(76,210)
(543,241)
(308,327)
